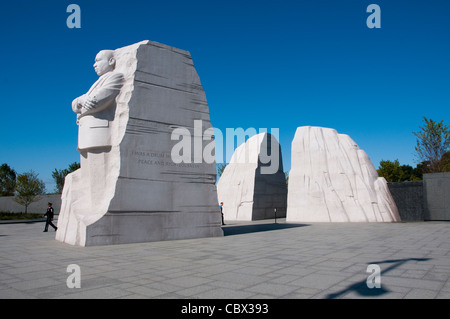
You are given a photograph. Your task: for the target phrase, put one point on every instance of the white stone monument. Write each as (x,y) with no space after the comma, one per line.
(333,180)
(249,192)
(128,188)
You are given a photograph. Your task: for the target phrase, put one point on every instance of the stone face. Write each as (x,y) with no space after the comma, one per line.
(248,191)
(333,180)
(132,190)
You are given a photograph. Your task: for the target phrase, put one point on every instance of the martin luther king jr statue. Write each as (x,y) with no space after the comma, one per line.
(95,109)
(128,189)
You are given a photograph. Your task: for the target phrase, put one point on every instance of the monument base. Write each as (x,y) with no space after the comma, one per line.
(118,228)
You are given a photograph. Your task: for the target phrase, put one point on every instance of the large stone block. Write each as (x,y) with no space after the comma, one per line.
(247,187)
(437,196)
(408,197)
(128,188)
(333,180)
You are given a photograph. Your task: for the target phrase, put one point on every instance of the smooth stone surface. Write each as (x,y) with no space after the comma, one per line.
(437,196)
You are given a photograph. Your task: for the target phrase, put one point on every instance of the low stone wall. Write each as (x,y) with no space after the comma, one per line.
(409,199)
(437,195)
(7,204)
(423,200)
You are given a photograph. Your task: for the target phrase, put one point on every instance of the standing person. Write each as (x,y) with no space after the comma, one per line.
(221,212)
(49,214)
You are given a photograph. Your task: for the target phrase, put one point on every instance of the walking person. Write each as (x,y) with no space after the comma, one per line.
(50,213)
(221,212)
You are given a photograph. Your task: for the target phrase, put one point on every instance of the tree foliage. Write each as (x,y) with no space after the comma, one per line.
(28,189)
(220,169)
(60,175)
(392,171)
(7,180)
(433,142)
(445,162)
(412,174)
(286,178)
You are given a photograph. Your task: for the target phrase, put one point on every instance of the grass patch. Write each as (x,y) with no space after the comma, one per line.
(18,216)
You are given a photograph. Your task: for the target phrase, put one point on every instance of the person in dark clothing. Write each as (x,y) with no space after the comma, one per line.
(221,212)
(49,214)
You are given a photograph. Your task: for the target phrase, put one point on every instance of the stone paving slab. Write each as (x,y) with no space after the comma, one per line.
(253,261)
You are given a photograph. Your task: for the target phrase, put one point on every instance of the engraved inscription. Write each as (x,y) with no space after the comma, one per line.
(159,159)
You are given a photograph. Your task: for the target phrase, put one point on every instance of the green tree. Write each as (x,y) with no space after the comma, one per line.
(28,189)
(220,169)
(410,174)
(407,172)
(419,170)
(433,141)
(390,170)
(445,162)
(60,175)
(286,178)
(7,180)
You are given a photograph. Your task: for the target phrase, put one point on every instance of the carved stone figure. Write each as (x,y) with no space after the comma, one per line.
(128,188)
(95,109)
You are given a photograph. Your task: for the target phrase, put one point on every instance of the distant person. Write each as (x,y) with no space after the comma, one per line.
(221,212)
(50,213)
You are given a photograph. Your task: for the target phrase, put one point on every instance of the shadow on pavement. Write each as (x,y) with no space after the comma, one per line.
(244,229)
(22,221)
(362,289)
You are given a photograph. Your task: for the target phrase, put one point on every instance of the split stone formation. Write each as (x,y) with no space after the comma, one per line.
(130,189)
(333,180)
(249,189)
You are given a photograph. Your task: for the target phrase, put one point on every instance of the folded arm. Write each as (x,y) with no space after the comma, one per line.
(101,98)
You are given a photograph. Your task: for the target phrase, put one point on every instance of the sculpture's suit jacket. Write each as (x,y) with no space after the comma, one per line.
(94,122)
(103,91)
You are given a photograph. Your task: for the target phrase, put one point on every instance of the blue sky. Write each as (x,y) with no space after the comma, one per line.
(263,64)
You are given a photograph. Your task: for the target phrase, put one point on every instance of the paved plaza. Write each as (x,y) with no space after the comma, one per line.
(253,260)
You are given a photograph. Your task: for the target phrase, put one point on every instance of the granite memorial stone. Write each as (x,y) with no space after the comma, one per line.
(246,189)
(128,188)
(333,180)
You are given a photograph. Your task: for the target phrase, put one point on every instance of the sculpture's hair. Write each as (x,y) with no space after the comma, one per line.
(110,53)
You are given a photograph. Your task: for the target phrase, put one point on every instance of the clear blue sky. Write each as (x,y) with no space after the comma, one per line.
(263,64)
